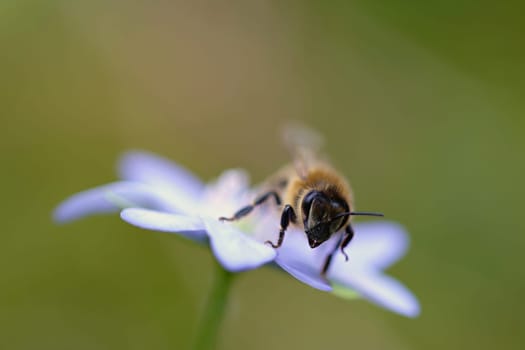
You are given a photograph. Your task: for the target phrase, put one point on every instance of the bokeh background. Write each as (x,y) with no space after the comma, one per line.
(421,104)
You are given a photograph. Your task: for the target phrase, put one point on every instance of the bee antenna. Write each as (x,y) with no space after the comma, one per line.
(367,213)
(355,213)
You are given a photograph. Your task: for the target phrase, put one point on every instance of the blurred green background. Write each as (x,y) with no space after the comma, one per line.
(421,104)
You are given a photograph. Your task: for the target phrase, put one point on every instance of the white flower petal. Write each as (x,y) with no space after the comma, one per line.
(227,194)
(234,249)
(232,182)
(380,289)
(156,171)
(374,246)
(111,198)
(304,263)
(379,243)
(189,226)
(305,274)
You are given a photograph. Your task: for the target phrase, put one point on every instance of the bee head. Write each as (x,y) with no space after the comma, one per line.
(323,215)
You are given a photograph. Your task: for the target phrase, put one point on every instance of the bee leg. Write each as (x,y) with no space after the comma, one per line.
(343,242)
(348,237)
(247,209)
(287,216)
(329,257)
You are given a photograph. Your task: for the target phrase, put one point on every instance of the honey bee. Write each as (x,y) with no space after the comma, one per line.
(311,195)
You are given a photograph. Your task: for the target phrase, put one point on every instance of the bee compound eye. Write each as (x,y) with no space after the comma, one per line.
(335,225)
(307,202)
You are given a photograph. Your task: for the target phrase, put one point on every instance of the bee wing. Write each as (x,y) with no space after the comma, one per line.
(303,144)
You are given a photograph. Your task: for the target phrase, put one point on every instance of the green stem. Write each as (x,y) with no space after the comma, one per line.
(214,312)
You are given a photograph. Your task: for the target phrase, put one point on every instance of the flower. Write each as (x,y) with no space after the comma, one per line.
(159,195)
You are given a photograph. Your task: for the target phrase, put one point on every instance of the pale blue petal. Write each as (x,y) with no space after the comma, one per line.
(302,262)
(227,194)
(189,226)
(377,243)
(156,171)
(234,249)
(305,274)
(111,198)
(380,289)
(231,183)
